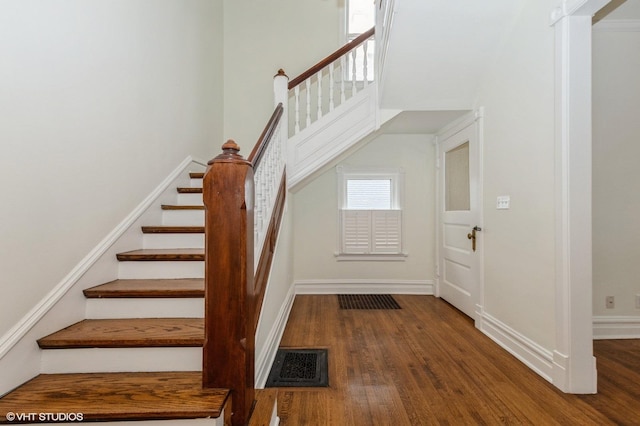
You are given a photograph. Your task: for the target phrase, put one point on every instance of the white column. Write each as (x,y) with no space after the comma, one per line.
(574,368)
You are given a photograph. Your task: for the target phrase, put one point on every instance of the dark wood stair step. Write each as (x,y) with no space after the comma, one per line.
(173,229)
(196,175)
(128,333)
(117,396)
(150,255)
(153,288)
(181,207)
(189,190)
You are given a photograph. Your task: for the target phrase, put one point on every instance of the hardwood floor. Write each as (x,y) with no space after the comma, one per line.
(426,364)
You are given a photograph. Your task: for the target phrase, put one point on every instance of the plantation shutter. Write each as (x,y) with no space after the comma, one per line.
(386,231)
(371,231)
(356,231)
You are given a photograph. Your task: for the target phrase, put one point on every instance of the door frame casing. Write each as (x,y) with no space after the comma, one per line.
(473,118)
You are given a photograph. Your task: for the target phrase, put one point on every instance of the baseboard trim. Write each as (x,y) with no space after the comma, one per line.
(364,286)
(16,333)
(268,353)
(616,327)
(527,351)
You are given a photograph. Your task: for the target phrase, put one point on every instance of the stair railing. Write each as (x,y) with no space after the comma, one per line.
(244,200)
(331,82)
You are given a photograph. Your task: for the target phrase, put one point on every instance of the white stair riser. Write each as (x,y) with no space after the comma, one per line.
(168,241)
(163,269)
(183,217)
(195,183)
(190,199)
(112,360)
(145,308)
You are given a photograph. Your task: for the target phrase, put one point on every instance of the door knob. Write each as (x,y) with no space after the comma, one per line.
(472,236)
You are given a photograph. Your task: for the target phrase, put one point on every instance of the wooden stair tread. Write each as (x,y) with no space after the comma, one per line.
(117,396)
(128,333)
(188,254)
(181,207)
(189,190)
(173,229)
(196,175)
(152,288)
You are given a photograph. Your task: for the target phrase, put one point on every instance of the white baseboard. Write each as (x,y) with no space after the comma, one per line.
(616,327)
(267,355)
(100,263)
(527,351)
(364,286)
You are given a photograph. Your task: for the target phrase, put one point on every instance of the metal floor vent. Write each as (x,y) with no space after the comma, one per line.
(299,368)
(367,301)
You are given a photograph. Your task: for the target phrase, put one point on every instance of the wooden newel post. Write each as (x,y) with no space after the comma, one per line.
(229,346)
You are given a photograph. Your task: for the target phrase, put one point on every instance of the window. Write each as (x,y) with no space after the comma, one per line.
(370,209)
(361,16)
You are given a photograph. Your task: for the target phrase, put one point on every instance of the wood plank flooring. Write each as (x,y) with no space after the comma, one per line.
(426,364)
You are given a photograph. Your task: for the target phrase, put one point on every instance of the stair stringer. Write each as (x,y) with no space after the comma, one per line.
(65,303)
(333,134)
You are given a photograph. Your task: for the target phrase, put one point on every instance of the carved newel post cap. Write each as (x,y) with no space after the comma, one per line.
(229,153)
(230,147)
(281,73)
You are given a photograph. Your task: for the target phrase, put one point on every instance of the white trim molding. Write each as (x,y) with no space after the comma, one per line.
(576,371)
(267,354)
(364,286)
(526,350)
(616,327)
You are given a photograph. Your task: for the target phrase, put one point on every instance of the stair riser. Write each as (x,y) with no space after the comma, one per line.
(183,217)
(195,183)
(112,360)
(145,308)
(163,269)
(168,241)
(190,199)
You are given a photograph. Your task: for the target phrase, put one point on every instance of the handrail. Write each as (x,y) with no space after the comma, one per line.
(331,58)
(259,149)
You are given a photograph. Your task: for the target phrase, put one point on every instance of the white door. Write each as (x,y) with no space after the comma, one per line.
(460,232)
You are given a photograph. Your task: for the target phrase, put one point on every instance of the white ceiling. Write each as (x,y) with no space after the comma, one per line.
(438,50)
(620,9)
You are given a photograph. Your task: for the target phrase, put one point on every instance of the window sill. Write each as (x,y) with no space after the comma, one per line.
(383,257)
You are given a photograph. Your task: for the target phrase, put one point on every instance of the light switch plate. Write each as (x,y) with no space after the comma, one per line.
(503,202)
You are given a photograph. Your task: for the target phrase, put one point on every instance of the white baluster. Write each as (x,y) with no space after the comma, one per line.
(297,117)
(319,94)
(331,83)
(307,84)
(343,70)
(364,64)
(353,73)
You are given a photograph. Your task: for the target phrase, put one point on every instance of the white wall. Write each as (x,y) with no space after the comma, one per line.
(315,232)
(616,149)
(99,101)
(518,96)
(262,37)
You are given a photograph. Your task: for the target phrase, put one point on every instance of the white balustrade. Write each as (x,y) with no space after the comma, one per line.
(347,75)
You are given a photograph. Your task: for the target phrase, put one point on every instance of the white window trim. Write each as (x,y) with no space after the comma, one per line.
(396,175)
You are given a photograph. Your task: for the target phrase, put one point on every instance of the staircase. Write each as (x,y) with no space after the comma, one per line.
(138,354)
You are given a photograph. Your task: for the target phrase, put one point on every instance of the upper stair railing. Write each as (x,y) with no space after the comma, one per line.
(244,201)
(331,82)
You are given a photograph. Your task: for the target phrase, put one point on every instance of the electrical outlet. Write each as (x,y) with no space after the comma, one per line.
(637,301)
(611,303)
